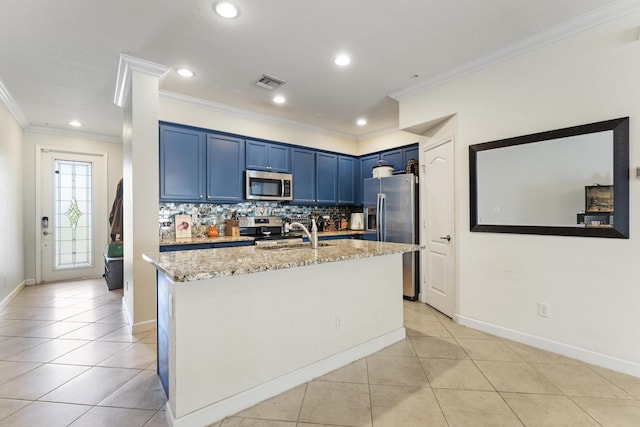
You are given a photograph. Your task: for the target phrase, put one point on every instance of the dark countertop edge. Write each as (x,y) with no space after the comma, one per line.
(203,240)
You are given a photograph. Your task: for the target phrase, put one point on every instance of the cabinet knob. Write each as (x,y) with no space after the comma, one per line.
(208,197)
(201,196)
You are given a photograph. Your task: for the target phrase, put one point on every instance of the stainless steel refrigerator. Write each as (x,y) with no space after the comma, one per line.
(391,215)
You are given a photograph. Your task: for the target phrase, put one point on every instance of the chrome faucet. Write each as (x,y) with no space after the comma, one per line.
(313,236)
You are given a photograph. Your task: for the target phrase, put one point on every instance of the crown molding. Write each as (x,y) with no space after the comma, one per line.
(569,28)
(380,132)
(12,107)
(126,66)
(223,108)
(73,134)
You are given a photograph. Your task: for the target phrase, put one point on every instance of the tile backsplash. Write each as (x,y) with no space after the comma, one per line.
(206,214)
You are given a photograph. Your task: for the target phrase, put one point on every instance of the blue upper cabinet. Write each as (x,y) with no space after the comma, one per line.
(304,176)
(315,177)
(326,178)
(182,164)
(225,167)
(267,157)
(395,158)
(347,167)
(366,171)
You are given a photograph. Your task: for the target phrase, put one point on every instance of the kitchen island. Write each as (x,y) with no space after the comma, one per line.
(239,325)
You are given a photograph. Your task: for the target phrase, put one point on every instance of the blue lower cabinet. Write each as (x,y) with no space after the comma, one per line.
(194,246)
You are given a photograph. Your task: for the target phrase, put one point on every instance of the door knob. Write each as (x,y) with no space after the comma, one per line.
(447,238)
(46,233)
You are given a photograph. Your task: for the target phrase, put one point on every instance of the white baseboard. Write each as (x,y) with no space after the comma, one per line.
(5,302)
(30,282)
(149,325)
(582,354)
(224,408)
(137,328)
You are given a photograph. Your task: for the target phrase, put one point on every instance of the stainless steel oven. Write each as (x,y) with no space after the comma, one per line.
(261,185)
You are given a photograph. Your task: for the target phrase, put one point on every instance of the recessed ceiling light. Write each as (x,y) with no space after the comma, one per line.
(279,99)
(342,60)
(75,123)
(361,122)
(185,72)
(226,10)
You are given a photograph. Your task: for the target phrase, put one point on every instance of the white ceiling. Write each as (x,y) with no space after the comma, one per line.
(59,59)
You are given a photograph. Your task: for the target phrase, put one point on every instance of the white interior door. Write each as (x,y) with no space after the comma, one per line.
(72,221)
(437,234)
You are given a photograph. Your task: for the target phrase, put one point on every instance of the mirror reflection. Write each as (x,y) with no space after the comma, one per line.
(568,182)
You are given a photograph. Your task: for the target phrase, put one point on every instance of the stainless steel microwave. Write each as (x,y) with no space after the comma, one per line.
(261,185)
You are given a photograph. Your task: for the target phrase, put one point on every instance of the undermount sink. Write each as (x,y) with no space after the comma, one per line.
(292,247)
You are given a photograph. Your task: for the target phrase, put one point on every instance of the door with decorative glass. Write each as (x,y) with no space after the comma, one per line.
(73,215)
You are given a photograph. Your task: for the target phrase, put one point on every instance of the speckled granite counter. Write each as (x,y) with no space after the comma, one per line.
(186,266)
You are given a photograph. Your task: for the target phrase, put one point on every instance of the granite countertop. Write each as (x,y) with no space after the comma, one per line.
(187,266)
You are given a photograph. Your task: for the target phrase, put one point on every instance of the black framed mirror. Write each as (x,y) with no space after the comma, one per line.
(568,182)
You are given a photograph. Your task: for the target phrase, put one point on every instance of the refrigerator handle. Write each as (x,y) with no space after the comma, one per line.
(378,217)
(383,218)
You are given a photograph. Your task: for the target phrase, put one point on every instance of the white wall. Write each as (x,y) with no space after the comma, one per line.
(12,212)
(591,284)
(61,141)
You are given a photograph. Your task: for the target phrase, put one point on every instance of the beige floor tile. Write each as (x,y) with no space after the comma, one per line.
(425,327)
(536,355)
(516,377)
(414,310)
(539,410)
(459,331)
(123,334)
(135,356)
(158,420)
(11,370)
(392,370)
(455,374)
(39,381)
(9,407)
(480,349)
(91,332)
(96,315)
(144,391)
(91,386)
(20,329)
(92,353)
(48,350)
(119,317)
(99,416)
(464,408)
(402,348)
(611,412)
(45,414)
(17,344)
(355,372)
(578,380)
(336,403)
(441,347)
(284,407)
(56,329)
(398,406)
(626,382)
(252,422)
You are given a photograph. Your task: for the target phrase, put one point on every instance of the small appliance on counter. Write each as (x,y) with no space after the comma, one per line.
(357,221)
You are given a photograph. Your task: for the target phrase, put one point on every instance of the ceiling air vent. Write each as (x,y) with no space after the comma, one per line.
(268,82)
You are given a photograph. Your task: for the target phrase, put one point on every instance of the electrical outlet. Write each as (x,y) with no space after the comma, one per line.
(543,309)
(126,285)
(338,323)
